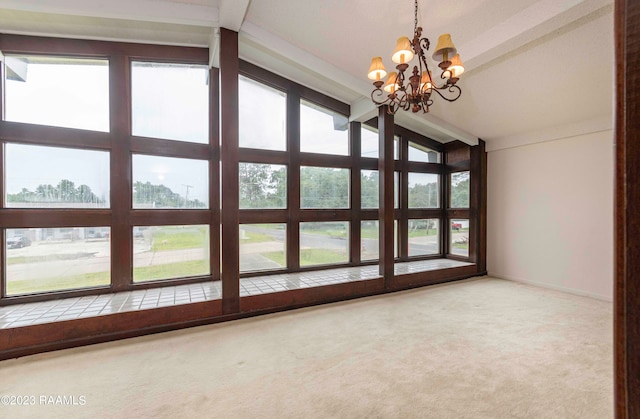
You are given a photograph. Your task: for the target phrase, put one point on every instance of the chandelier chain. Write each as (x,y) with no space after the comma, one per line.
(415,15)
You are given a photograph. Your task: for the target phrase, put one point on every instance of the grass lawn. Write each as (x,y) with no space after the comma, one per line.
(30,286)
(310,257)
(171,270)
(173,238)
(98,279)
(253,237)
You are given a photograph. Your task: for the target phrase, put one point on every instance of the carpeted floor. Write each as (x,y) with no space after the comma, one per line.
(482,348)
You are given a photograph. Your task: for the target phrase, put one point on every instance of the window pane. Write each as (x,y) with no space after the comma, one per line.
(459,238)
(262,247)
(56,259)
(396,189)
(460,190)
(424,237)
(324,243)
(166,252)
(423,190)
(322,187)
(323,131)
(263,116)
(369,188)
(167,182)
(422,153)
(51,177)
(263,185)
(57,91)
(368,142)
(370,239)
(170,101)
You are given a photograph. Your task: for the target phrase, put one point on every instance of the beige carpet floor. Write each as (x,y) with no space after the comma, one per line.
(482,348)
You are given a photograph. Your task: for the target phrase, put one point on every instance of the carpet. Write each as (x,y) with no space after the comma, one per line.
(480,348)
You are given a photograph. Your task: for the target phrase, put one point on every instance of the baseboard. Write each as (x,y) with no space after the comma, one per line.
(573,291)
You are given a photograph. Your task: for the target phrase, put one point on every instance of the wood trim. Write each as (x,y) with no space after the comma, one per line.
(386,213)
(355,244)
(229,66)
(627,211)
(293,179)
(214,173)
(121,173)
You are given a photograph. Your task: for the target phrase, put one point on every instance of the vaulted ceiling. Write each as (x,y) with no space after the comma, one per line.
(535,69)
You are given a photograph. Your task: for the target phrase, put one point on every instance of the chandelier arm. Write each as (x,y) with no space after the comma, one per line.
(453,88)
(379,93)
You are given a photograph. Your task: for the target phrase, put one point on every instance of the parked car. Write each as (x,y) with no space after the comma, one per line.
(18,242)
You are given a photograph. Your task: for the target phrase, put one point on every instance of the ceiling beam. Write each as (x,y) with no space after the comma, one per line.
(232,13)
(142,10)
(539,19)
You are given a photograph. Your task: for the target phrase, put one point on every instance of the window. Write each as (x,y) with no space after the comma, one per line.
(57,91)
(324,243)
(56,259)
(459,237)
(167,182)
(322,187)
(424,191)
(369,188)
(165,252)
(52,177)
(263,247)
(459,190)
(424,237)
(170,101)
(420,153)
(322,130)
(262,185)
(263,116)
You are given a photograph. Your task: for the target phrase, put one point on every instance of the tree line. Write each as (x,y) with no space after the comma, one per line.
(159,196)
(263,187)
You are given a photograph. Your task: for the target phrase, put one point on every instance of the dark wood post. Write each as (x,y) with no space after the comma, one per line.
(229,66)
(120,172)
(627,210)
(386,211)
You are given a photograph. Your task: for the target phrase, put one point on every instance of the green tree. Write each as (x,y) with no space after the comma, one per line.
(459,190)
(370,187)
(423,195)
(324,187)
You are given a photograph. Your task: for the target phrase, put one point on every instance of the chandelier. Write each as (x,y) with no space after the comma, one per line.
(415,93)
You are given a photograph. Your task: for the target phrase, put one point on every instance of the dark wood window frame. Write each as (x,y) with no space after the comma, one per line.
(121,145)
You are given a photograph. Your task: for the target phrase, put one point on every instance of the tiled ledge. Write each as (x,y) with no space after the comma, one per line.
(30,314)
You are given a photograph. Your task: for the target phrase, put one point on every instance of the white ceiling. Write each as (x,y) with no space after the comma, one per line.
(536,69)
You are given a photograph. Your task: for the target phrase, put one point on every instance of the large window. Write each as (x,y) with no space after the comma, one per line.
(52,177)
(167,182)
(322,130)
(56,259)
(166,252)
(111,181)
(67,92)
(170,101)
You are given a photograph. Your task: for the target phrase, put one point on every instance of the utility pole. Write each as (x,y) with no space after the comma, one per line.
(186,196)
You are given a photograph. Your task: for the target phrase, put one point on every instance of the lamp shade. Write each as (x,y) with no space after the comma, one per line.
(404,51)
(377,70)
(426,81)
(456,67)
(444,49)
(390,85)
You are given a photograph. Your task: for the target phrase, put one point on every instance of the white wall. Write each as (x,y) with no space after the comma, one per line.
(550,214)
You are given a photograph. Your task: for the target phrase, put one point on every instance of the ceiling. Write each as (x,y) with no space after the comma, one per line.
(536,70)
